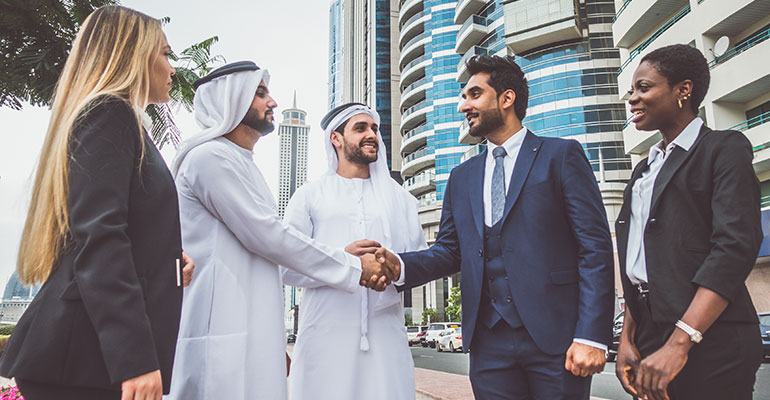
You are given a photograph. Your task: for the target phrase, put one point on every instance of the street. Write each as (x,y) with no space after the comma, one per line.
(604,385)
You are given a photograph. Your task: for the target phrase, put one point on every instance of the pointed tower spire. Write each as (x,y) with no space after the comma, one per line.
(295,99)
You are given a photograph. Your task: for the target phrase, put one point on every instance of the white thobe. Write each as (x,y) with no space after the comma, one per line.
(232,339)
(328,362)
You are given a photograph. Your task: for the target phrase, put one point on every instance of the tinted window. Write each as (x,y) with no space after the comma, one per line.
(764,319)
(412,329)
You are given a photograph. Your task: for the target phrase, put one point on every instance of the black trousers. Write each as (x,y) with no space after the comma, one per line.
(43,391)
(722,366)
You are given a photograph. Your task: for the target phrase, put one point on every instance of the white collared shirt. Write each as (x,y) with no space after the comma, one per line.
(512,146)
(641,199)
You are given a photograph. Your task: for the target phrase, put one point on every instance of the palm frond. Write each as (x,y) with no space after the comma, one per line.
(163,129)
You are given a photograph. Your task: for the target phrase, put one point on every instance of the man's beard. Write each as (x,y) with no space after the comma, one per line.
(488,121)
(355,155)
(261,125)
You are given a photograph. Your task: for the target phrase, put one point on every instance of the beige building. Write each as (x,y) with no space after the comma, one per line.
(732,34)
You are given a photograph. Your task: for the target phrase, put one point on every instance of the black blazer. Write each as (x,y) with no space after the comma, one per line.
(110,309)
(704,227)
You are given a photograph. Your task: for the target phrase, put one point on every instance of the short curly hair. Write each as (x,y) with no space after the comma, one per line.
(504,74)
(679,62)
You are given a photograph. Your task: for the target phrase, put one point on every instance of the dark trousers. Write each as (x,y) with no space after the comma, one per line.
(505,363)
(43,391)
(722,366)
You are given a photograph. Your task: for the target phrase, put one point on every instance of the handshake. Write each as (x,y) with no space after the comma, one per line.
(379,267)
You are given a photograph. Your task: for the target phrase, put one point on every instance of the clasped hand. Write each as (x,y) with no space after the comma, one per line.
(379,267)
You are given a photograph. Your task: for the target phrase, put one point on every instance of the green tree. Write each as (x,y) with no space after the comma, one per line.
(429,315)
(408,321)
(455,307)
(35,40)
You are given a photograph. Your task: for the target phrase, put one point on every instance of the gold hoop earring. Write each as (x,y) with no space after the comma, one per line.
(680,103)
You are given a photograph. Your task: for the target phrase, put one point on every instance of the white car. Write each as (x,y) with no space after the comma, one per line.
(451,339)
(412,333)
(435,329)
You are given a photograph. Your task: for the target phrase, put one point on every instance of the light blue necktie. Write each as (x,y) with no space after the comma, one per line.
(498,185)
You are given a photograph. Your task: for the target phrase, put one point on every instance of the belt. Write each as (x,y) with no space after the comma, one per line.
(642,288)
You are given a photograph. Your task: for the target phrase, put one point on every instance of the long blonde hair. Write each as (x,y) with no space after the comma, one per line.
(111,55)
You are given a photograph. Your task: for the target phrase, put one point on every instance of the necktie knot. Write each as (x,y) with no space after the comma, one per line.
(499,152)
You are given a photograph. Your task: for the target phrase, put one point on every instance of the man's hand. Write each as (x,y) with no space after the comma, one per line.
(659,369)
(390,261)
(361,247)
(188,270)
(627,366)
(584,360)
(143,387)
(373,273)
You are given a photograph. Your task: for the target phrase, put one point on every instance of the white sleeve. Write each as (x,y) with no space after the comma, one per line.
(216,181)
(297,215)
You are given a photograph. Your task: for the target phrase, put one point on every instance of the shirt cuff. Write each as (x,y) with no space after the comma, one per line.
(402,277)
(591,343)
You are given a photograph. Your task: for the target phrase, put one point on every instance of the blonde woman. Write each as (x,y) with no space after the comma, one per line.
(102,232)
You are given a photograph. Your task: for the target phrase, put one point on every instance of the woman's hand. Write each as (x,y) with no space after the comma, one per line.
(187,270)
(143,387)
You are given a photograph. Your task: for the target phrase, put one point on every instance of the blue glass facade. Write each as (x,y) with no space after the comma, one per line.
(382,72)
(443,120)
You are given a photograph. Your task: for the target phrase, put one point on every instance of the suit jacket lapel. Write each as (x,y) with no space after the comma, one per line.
(675,160)
(476,190)
(527,154)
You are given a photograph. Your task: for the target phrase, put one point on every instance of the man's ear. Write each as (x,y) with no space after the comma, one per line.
(506,99)
(336,139)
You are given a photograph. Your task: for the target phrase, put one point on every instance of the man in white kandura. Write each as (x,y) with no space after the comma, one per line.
(353,346)
(232,340)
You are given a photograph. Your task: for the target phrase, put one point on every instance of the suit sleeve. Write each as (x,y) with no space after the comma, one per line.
(736,218)
(105,149)
(588,221)
(441,259)
(297,215)
(222,187)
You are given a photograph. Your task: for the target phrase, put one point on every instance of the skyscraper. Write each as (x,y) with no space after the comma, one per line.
(293,132)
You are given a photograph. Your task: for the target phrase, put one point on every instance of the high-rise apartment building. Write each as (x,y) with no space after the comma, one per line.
(732,35)
(292,173)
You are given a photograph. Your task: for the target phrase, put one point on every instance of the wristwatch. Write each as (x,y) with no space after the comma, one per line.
(695,335)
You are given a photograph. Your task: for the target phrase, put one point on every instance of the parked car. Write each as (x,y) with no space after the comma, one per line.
(451,339)
(764,329)
(617,327)
(435,329)
(413,333)
(291,338)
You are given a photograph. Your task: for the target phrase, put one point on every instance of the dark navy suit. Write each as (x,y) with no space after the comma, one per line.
(542,276)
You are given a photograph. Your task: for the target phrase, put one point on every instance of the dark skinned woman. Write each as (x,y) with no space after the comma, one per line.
(688,235)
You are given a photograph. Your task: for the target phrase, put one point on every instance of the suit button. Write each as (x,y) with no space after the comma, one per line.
(499,236)
(493,299)
(653,221)
(481,253)
(509,299)
(506,277)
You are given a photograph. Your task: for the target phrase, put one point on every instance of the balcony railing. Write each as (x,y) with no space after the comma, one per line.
(416,131)
(425,177)
(414,18)
(741,47)
(623,7)
(764,201)
(416,107)
(416,39)
(473,20)
(473,51)
(427,199)
(417,154)
(416,84)
(752,122)
(415,62)
(654,36)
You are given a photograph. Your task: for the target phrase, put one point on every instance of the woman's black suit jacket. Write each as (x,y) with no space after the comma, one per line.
(704,228)
(110,309)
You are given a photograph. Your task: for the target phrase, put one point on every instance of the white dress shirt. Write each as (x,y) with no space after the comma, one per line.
(641,199)
(512,146)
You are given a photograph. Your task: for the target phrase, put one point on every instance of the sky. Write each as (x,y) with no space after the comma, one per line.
(287,37)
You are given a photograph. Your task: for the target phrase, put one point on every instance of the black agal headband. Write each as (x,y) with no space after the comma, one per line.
(227,70)
(327,119)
